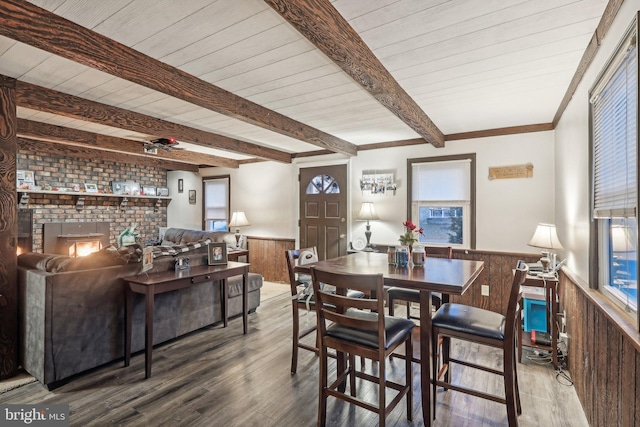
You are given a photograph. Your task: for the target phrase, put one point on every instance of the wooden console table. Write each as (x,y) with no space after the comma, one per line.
(157,283)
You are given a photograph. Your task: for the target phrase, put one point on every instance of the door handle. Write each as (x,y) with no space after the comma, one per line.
(342,236)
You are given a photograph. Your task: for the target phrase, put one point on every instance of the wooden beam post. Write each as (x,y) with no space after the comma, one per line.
(30,24)
(8,230)
(323,25)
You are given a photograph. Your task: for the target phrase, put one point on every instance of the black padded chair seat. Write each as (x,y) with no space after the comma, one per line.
(405,294)
(470,320)
(396,330)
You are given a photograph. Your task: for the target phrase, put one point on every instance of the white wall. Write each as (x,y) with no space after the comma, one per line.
(507,210)
(180,214)
(572,154)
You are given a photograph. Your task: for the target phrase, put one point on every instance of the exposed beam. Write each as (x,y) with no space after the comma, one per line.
(27,23)
(606,20)
(39,130)
(84,152)
(323,25)
(54,102)
(513,130)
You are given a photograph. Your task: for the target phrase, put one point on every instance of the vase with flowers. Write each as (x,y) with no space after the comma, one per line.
(411,234)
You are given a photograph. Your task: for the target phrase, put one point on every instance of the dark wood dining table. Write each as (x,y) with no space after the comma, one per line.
(448,276)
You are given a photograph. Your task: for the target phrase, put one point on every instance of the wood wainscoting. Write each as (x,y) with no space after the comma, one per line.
(497,274)
(266,255)
(603,355)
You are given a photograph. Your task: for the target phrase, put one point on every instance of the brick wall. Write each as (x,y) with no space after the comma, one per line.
(59,171)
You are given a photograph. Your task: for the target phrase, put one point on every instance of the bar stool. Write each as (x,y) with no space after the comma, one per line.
(487,328)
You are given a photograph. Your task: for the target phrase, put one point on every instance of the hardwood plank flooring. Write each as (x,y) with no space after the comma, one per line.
(220,377)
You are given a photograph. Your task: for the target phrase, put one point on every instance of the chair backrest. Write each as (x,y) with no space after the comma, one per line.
(333,307)
(295,257)
(513,307)
(439,251)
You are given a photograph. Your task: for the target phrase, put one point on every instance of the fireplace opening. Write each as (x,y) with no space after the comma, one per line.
(74,239)
(80,248)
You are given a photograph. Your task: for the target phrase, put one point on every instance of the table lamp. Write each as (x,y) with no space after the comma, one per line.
(546,237)
(238,219)
(367,213)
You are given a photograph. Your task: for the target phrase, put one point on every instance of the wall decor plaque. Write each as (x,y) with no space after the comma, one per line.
(515,171)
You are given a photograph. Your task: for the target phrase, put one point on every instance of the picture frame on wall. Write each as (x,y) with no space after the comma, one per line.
(217,253)
(192,197)
(162,192)
(91,188)
(148,191)
(180,185)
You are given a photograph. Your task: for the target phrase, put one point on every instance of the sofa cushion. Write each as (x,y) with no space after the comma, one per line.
(35,260)
(235,284)
(95,260)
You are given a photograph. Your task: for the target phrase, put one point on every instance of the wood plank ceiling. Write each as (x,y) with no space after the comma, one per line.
(234,80)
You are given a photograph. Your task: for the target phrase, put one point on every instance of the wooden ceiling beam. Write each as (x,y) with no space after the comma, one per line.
(84,152)
(54,102)
(323,25)
(30,24)
(45,131)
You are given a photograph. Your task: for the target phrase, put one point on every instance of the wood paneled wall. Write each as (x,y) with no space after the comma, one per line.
(603,357)
(266,256)
(8,230)
(497,274)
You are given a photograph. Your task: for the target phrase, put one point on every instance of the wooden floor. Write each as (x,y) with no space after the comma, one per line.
(219,377)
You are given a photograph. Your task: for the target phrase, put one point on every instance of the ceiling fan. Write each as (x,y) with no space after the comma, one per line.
(166,144)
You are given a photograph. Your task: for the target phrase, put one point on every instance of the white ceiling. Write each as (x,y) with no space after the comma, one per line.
(469,64)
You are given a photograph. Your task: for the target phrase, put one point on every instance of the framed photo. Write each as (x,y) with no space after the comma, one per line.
(217,253)
(25,179)
(192,197)
(148,191)
(147,258)
(162,192)
(91,188)
(129,188)
(180,185)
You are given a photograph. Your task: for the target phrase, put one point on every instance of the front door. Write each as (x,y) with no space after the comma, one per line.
(323,210)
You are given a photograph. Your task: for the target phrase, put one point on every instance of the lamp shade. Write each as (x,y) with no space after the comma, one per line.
(367,212)
(238,219)
(545,237)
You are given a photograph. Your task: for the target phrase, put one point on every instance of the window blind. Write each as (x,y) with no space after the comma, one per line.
(615,140)
(442,181)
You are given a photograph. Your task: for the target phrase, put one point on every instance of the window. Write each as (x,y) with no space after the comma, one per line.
(323,184)
(442,199)
(216,203)
(614,145)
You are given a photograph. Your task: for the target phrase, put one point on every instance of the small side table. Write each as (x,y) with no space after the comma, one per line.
(551,298)
(235,254)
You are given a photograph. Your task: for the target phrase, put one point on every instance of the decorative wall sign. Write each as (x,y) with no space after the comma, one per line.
(515,171)
(377,182)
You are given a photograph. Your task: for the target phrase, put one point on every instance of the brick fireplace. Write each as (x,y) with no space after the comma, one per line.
(57,171)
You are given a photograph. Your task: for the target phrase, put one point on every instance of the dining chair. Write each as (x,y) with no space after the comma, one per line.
(359,327)
(487,328)
(302,299)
